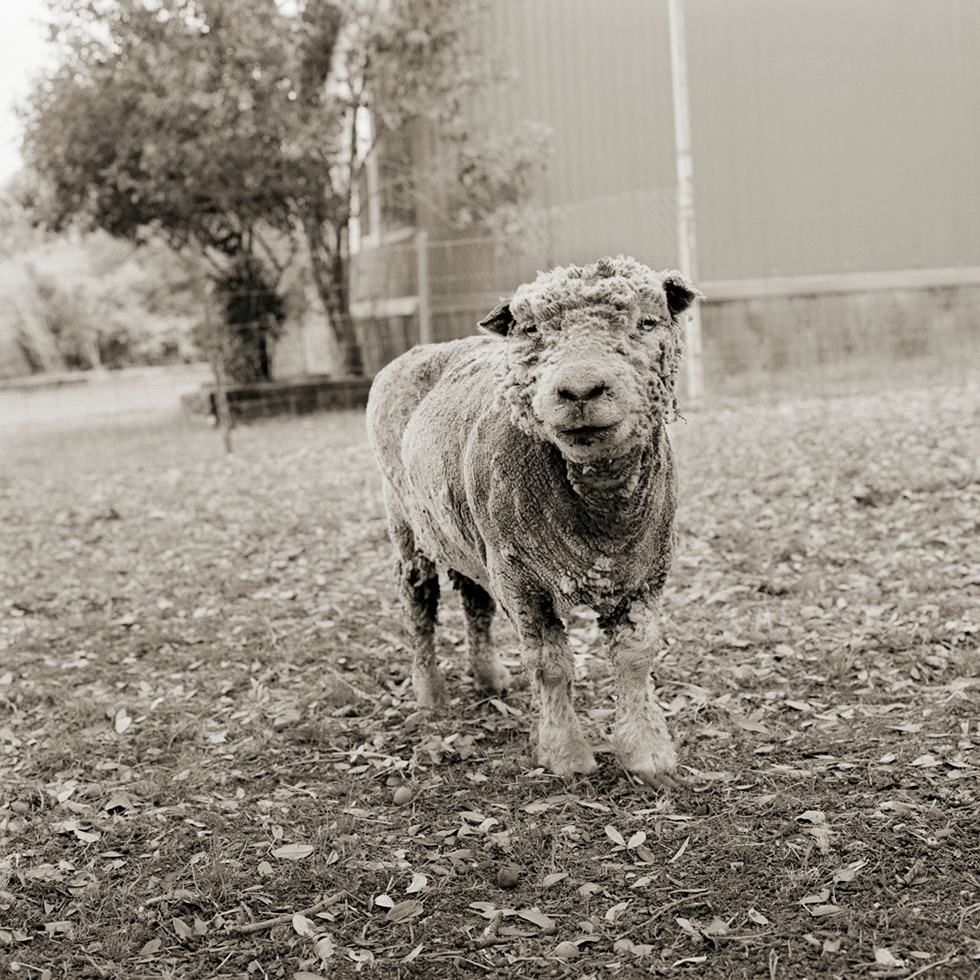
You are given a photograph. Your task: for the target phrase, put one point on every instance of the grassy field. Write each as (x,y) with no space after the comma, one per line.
(211,765)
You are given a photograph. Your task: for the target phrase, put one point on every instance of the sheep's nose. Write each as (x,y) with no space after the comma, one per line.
(581,393)
(584,387)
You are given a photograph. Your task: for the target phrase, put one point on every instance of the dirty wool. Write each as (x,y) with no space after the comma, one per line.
(532,462)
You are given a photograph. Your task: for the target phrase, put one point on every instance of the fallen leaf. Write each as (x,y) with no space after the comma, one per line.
(628,946)
(304,926)
(119,801)
(537,807)
(419,881)
(613,913)
(813,816)
(413,954)
(689,928)
(885,957)
(553,879)
(324,948)
(535,915)
(615,836)
(404,911)
(293,852)
(84,884)
(850,872)
(816,898)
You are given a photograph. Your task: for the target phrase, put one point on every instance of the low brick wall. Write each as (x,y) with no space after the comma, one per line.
(299,396)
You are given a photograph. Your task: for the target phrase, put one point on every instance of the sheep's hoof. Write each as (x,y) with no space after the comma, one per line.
(661,780)
(654,760)
(568,759)
(430,691)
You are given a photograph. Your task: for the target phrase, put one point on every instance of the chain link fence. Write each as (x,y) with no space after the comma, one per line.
(761,338)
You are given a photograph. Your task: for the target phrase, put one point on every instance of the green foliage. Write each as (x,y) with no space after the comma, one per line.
(494,179)
(166,115)
(253,314)
(222,124)
(88,301)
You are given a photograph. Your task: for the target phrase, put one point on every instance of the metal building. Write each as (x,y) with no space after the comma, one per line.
(836,149)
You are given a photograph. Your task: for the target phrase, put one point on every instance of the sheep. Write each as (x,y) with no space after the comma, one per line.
(532,462)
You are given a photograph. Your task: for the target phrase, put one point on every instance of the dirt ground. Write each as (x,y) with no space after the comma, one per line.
(211,765)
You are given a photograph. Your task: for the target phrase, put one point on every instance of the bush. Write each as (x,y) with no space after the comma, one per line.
(252,314)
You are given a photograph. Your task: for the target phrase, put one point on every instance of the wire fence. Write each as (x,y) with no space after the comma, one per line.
(835,338)
(835,335)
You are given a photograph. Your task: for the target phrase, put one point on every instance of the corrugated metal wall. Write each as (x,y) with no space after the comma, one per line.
(835,135)
(828,135)
(598,73)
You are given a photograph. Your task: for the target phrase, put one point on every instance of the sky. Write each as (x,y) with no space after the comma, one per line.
(23,53)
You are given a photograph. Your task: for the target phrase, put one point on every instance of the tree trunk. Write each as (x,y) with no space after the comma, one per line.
(331,277)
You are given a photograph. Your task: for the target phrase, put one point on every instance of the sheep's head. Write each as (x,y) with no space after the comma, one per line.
(593,355)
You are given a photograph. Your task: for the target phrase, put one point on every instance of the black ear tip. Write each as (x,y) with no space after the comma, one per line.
(499,320)
(681,292)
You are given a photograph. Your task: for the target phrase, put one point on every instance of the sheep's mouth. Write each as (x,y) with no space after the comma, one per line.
(585,434)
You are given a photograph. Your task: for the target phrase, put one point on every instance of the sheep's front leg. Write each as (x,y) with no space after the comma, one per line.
(559,744)
(640,730)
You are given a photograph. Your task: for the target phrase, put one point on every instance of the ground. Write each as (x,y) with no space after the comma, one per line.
(211,765)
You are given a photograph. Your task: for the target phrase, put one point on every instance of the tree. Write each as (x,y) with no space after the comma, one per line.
(231,127)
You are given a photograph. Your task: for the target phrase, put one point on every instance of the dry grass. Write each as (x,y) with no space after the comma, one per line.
(202,666)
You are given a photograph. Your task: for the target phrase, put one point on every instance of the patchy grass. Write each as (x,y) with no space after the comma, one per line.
(212,767)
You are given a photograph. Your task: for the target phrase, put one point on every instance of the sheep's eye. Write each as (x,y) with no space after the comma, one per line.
(530,329)
(649,324)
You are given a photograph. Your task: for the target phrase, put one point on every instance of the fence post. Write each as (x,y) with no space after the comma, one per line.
(422,274)
(687,242)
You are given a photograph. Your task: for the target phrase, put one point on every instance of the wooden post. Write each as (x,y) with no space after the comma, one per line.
(686,239)
(422,274)
(216,341)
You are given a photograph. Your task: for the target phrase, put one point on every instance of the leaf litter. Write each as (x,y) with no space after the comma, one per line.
(212,764)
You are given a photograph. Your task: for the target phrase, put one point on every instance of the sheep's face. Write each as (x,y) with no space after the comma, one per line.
(593,355)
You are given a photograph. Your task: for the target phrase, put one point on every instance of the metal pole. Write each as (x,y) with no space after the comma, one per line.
(422,274)
(686,240)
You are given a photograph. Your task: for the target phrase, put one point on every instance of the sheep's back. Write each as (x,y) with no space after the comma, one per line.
(422,410)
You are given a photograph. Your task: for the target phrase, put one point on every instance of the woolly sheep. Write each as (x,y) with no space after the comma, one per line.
(532,462)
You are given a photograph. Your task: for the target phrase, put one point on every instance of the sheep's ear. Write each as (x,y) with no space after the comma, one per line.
(681,292)
(501,320)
